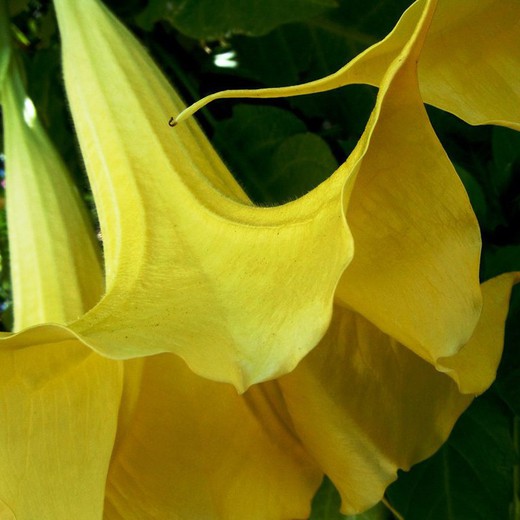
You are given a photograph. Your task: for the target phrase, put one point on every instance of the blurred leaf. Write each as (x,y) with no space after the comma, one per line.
(5,43)
(300,163)
(297,53)
(508,379)
(155,11)
(210,20)
(48,29)
(470,477)
(127,9)
(498,260)
(272,154)
(326,505)
(17,6)
(509,390)
(506,156)
(476,195)
(328,41)
(248,141)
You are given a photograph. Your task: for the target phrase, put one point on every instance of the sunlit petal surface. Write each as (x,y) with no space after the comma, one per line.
(471,61)
(469,64)
(191,266)
(49,231)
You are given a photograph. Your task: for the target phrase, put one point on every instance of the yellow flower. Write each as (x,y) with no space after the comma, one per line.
(232,278)
(241,294)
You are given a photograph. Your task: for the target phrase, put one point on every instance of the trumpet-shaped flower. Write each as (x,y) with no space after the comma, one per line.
(178,229)
(240,293)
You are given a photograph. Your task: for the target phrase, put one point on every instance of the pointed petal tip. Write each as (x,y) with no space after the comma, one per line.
(474,367)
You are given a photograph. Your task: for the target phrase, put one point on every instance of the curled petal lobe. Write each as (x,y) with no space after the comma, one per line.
(469,64)
(471,61)
(363,404)
(416,236)
(236,299)
(195,449)
(415,274)
(474,367)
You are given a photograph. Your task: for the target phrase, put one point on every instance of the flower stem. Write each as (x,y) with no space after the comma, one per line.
(516,469)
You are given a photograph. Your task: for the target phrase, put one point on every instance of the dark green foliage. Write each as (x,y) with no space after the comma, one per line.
(257,140)
(206,19)
(470,477)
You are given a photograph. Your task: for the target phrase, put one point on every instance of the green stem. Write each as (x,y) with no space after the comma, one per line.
(516,470)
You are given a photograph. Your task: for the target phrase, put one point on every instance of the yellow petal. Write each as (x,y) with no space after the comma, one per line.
(55,262)
(415,271)
(191,266)
(195,449)
(59,399)
(59,404)
(469,65)
(474,366)
(415,274)
(471,61)
(365,406)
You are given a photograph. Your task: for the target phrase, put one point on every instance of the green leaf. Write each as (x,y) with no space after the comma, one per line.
(271,153)
(470,477)
(509,390)
(506,156)
(508,379)
(300,163)
(329,41)
(476,194)
(210,20)
(498,260)
(155,11)
(5,42)
(17,6)
(326,506)
(301,52)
